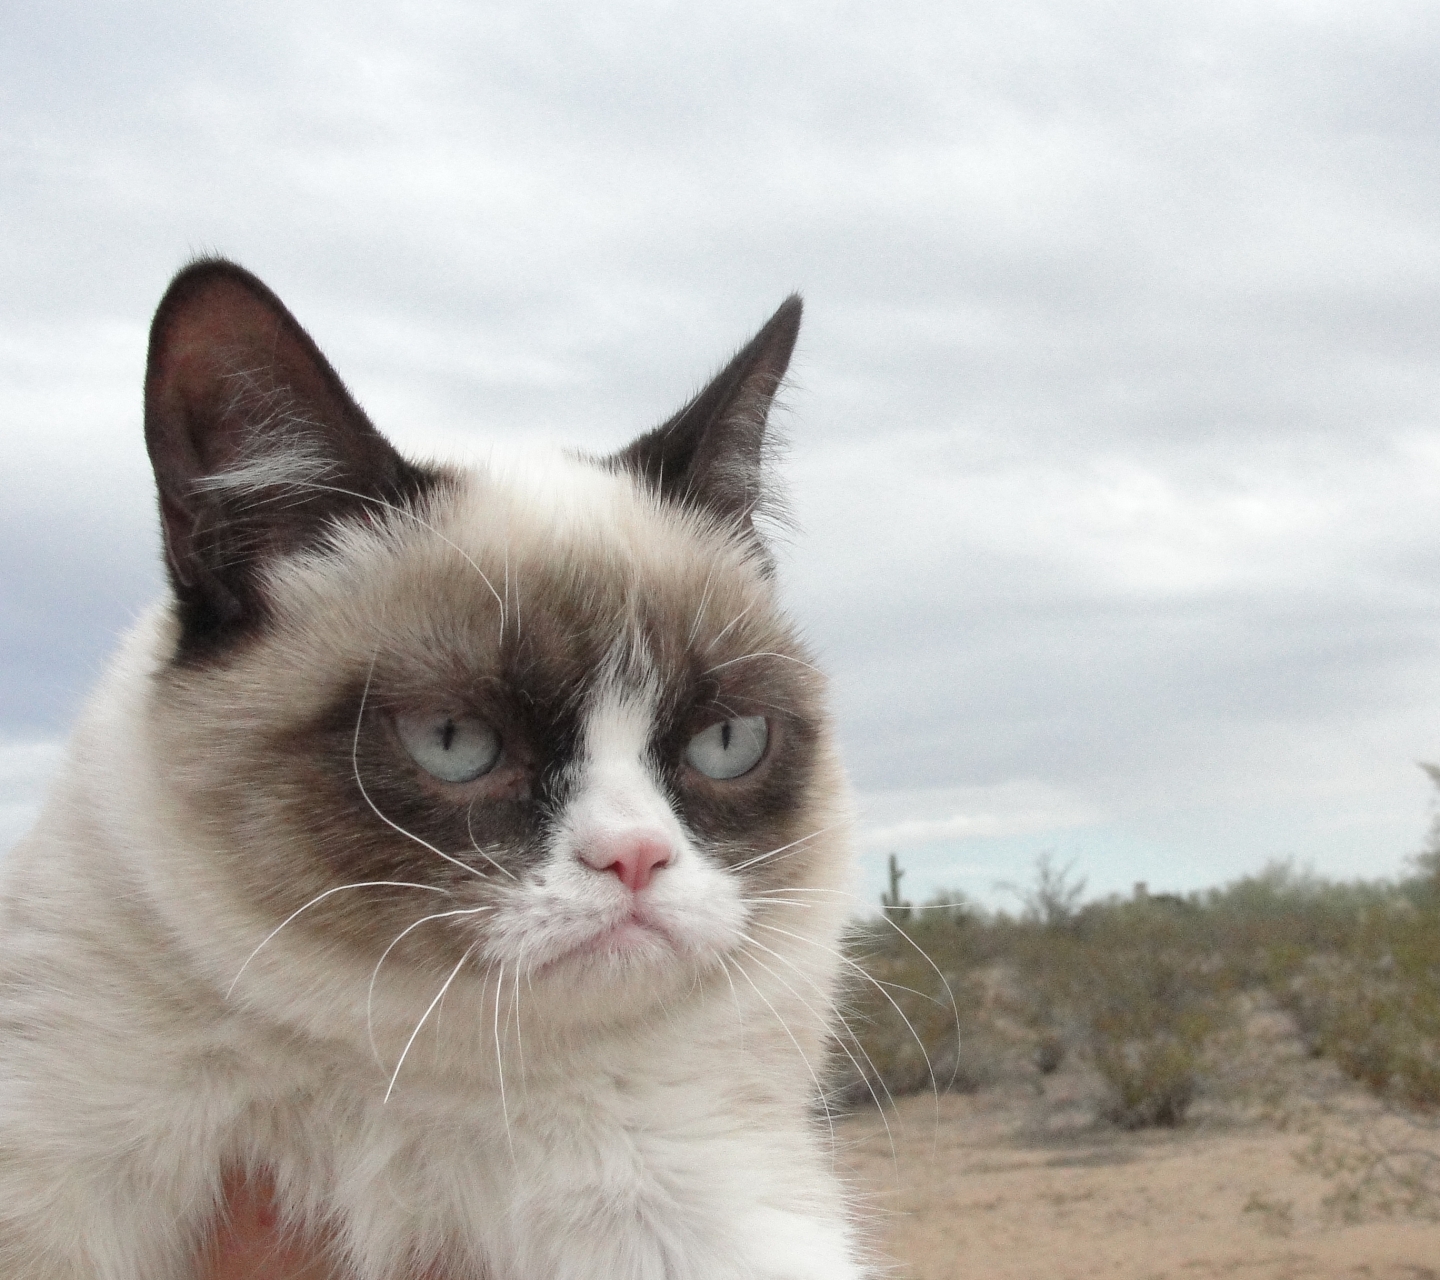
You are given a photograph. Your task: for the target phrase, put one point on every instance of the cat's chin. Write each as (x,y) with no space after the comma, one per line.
(620,972)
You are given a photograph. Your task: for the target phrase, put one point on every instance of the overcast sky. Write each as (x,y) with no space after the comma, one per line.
(1116,417)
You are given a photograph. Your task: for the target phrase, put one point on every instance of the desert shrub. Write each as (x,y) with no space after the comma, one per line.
(1265,928)
(1374,1007)
(1358,966)
(1149,995)
(1151,1079)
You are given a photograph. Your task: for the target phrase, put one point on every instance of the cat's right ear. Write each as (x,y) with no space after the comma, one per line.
(712,454)
(256,444)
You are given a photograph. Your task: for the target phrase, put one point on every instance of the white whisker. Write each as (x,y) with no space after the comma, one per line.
(320,897)
(858,898)
(505,603)
(785,1026)
(735,996)
(372,500)
(725,630)
(424,1016)
(741,866)
(799,888)
(881,988)
(500,1063)
(866,1077)
(700,608)
(394,942)
(954,1007)
(776,902)
(475,844)
(519,1041)
(745,657)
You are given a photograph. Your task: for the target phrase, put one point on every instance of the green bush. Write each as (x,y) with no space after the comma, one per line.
(1374,1008)
(1152,1079)
(1149,994)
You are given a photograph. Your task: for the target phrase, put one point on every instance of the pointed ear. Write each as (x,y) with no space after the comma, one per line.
(256,445)
(711,454)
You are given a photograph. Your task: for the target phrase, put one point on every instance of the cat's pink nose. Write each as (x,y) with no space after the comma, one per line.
(634,856)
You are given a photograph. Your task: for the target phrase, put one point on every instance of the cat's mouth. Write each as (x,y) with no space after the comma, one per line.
(636,936)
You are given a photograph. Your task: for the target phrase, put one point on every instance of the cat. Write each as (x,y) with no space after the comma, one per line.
(461,852)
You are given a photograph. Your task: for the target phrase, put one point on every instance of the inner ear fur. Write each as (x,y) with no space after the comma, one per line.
(711,454)
(256,445)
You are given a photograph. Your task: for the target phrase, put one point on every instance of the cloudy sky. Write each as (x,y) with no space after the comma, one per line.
(1115,421)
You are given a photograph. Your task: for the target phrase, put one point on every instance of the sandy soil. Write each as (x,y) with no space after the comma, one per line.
(1016,1182)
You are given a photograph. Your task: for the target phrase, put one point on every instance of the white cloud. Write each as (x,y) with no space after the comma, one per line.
(905,818)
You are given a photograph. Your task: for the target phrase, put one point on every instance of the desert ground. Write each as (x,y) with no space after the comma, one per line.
(1021,1182)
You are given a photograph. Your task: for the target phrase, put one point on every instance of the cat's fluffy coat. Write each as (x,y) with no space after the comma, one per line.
(464,1045)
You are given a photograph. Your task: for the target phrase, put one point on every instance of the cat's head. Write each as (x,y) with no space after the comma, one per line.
(543,717)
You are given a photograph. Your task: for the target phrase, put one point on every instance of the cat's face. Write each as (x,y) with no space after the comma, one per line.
(544,717)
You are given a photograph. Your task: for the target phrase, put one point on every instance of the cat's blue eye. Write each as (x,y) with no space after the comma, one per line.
(728,749)
(453,748)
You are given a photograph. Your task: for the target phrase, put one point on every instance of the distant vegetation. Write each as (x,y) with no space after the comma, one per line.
(1142,989)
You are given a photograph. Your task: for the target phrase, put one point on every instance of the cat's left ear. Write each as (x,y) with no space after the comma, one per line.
(711,454)
(257,446)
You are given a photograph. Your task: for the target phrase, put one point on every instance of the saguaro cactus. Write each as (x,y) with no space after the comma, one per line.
(895,906)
